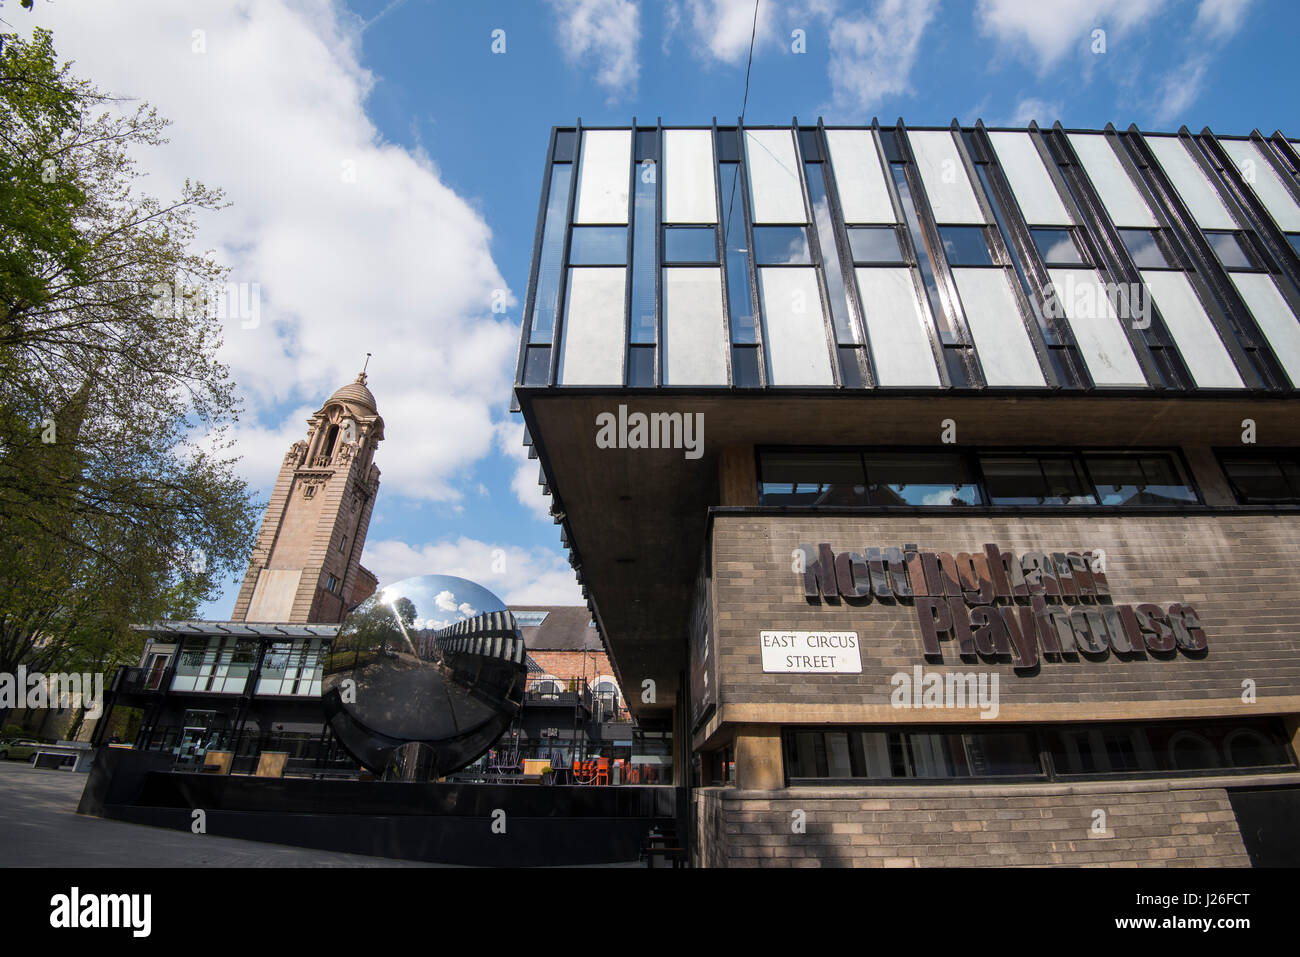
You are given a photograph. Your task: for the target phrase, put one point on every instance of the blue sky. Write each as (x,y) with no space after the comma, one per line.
(279,101)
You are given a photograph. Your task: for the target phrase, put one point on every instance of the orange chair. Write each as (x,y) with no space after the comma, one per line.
(602,771)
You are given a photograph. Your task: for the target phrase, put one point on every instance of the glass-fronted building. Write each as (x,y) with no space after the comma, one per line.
(947,477)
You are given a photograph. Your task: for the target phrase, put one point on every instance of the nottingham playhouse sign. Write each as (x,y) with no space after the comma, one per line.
(995,604)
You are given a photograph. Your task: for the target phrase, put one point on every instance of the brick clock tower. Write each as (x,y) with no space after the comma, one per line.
(306,563)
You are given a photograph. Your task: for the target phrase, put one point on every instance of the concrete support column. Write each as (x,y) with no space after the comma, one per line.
(758,757)
(1292,724)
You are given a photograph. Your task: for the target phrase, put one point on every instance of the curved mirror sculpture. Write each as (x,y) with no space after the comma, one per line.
(424,676)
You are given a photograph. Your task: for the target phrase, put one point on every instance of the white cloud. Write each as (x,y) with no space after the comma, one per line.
(1052,30)
(1045,112)
(444,599)
(510,439)
(1178,90)
(518,576)
(872,54)
(721,29)
(394,263)
(605,33)
(1222,18)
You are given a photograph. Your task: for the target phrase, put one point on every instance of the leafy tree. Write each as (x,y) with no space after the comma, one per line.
(111,512)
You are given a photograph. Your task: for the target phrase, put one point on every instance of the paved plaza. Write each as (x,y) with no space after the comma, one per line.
(40,827)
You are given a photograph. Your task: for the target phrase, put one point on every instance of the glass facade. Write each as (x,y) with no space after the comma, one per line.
(1263,476)
(928,477)
(1021,201)
(1053,752)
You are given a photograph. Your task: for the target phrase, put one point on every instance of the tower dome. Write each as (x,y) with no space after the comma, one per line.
(355,393)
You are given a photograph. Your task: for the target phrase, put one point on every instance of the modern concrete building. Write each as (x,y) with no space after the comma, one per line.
(939,487)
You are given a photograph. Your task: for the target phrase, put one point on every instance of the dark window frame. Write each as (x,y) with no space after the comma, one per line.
(902,260)
(1263,454)
(765,231)
(971,459)
(579,261)
(1042,748)
(1085,259)
(682,229)
(951,230)
(1164,243)
(1244,243)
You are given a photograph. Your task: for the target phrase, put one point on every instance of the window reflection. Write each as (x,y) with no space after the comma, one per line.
(1139,480)
(813,479)
(1035,480)
(1057,247)
(550,259)
(1263,478)
(1230,251)
(920,479)
(1096,750)
(781,246)
(598,246)
(1145,249)
(690,244)
(875,245)
(965,245)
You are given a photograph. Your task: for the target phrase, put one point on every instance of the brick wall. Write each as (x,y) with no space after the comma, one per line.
(1239,571)
(1179,824)
(573,664)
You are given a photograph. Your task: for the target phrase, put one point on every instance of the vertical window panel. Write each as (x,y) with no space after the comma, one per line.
(739,301)
(1263,179)
(1001,342)
(1036,194)
(593,327)
(1058,247)
(1118,194)
(794,327)
(1198,342)
(944,176)
(846,330)
(603,177)
(1097,330)
(689,194)
(859,177)
(551,257)
(1275,319)
(775,191)
(695,341)
(896,329)
(644,319)
(1197,192)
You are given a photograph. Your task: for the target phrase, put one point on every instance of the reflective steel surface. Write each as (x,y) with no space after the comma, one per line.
(424,676)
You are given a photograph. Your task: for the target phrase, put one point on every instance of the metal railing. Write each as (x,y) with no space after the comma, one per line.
(135,680)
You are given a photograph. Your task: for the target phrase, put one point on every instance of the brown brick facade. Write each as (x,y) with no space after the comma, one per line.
(1147,824)
(1240,571)
(568,665)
